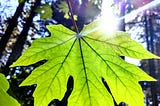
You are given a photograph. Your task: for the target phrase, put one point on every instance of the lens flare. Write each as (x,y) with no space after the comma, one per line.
(130,16)
(109,22)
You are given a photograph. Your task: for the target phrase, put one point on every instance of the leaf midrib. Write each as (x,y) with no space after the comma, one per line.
(84,68)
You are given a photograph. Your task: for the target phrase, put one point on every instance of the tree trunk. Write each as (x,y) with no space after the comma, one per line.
(11,25)
(18,47)
(152,62)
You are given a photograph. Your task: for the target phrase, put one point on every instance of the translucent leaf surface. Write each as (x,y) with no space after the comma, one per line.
(88,57)
(5,99)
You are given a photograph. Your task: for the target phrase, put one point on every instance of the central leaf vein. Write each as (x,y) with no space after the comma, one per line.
(84,68)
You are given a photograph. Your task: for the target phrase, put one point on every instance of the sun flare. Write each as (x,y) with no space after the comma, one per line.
(109,22)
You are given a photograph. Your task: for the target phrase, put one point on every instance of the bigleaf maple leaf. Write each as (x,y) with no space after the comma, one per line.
(88,57)
(5,98)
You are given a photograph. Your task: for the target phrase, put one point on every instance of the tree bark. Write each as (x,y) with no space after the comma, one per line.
(152,62)
(18,47)
(11,25)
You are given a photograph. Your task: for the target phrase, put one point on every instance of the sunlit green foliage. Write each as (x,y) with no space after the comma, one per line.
(88,56)
(63,7)
(5,98)
(21,1)
(45,11)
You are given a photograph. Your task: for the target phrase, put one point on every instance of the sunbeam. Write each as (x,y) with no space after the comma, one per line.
(130,16)
(109,23)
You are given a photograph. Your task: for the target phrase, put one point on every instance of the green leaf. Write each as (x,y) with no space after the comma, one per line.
(88,57)
(119,41)
(21,1)
(63,7)
(45,11)
(5,99)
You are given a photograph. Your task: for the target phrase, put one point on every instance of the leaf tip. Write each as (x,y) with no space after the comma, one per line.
(13,65)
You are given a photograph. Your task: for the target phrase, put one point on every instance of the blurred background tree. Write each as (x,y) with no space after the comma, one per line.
(145,28)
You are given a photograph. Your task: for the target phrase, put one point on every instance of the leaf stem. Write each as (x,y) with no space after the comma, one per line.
(72,17)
